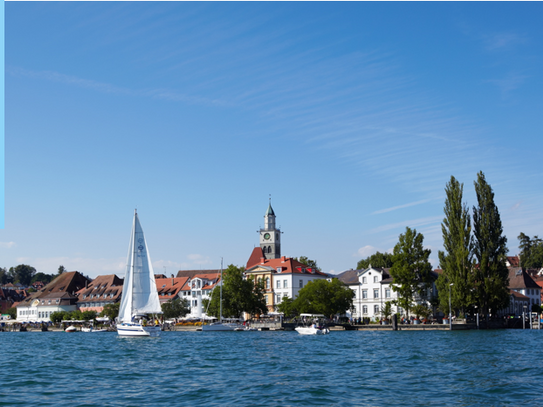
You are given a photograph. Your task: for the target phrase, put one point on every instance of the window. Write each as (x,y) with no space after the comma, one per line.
(364,280)
(278,284)
(365,309)
(267,283)
(376,293)
(376,309)
(387,293)
(278,299)
(301,283)
(364,293)
(285,283)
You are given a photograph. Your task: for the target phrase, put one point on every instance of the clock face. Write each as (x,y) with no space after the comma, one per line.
(266,236)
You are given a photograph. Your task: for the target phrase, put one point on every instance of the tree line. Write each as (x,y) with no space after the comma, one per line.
(26,275)
(474,272)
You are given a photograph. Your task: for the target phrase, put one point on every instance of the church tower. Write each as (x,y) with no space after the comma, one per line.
(270,236)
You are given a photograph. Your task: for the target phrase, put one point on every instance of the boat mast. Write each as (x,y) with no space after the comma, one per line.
(132,265)
(220,303)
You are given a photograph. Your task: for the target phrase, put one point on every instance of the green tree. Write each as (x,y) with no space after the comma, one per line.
(324,297)
(239,295)
(380,260)
(531,251)
(88,315)
(76,315)
(44,278)
(61,270)
(411,268)
(387,310)
(308,262)
(491,274)
(457,259)
(23,274)
(4,276)
(111,311)
(59,316)
(287,307)
(12,312)
(176,308)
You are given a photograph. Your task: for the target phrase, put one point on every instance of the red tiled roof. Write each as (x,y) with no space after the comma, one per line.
(255,257)
(287,265)
(514,261)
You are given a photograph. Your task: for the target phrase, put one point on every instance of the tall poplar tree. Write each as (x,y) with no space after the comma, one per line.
(410,269)
(490,250)
(457,259)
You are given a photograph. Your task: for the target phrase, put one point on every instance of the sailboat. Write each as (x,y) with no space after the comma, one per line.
(220,325)
(140,296)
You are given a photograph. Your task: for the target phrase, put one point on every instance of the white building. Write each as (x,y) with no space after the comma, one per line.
(373,288)
(58,295)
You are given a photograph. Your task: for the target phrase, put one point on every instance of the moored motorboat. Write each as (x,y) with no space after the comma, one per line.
(313,324)
(71,328)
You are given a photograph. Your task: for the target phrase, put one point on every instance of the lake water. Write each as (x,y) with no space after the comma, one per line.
(352,368)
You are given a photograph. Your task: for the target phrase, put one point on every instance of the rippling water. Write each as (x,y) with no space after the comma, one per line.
(422,368)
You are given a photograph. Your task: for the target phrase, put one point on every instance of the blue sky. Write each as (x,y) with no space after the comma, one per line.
(353,116)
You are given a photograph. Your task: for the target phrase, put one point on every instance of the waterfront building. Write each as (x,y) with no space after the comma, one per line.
(170,288)
(99,292)
(9,296)
(518,303)
(521,282)
(198,287)
(58,295)
(373,288)
(282,277)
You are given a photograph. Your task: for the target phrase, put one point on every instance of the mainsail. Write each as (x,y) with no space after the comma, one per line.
(140,295)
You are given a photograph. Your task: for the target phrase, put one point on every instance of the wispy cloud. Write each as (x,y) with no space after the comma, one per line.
(503,40)
(394,208)
(509,83)
(7,245)
(154,93)
(200,259)
(413,223)
(365,251)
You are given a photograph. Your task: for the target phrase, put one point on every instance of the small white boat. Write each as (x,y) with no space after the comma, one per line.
(313,325)
(71,328)
(92,329)
(140,295)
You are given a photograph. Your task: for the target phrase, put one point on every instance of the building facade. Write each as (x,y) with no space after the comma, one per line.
(59,295)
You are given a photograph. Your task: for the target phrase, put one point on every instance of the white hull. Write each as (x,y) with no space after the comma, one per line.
(71,328)
(221,326)
(137,330)
(85,329)
(310,330)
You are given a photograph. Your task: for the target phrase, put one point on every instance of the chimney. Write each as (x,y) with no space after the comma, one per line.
(262,260)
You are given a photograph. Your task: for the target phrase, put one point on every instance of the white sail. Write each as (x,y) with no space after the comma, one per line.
(140,295)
